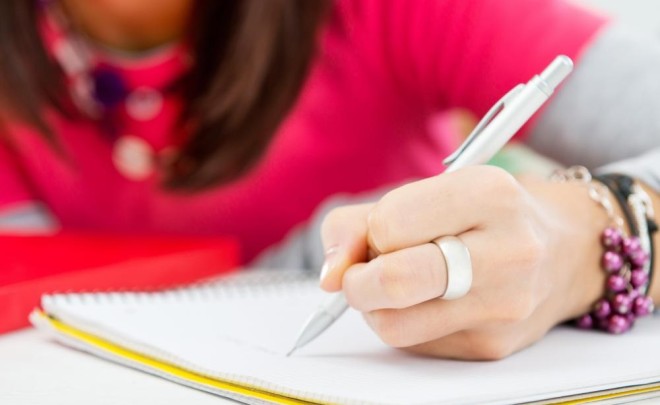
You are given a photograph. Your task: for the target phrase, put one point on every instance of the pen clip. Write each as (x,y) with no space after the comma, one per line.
(499,106)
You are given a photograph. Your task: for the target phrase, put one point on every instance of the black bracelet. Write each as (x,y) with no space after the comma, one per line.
(621,187)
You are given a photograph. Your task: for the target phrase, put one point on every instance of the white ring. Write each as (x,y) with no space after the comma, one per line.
(459,266)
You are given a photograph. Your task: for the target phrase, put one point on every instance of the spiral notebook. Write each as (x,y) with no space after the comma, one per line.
(229,337)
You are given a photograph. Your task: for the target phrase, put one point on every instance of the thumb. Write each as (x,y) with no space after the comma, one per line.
(344,237)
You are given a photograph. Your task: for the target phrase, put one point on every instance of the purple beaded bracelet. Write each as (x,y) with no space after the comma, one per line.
(624,260)
(625,299)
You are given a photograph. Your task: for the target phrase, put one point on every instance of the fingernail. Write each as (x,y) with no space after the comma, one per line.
(329,263)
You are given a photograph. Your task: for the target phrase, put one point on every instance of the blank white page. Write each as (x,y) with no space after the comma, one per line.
(240,334)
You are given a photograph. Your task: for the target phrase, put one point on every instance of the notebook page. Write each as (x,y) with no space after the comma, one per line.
(242,338)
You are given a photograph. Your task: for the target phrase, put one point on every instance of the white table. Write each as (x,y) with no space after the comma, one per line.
(35,370)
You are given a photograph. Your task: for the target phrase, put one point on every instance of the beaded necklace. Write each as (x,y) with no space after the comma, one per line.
(101,92)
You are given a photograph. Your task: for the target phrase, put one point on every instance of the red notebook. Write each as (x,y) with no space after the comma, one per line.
(33,265)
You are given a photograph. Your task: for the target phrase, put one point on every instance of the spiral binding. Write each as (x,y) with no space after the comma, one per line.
(252,284)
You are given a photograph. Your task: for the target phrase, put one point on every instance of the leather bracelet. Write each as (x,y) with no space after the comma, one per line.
(622,187)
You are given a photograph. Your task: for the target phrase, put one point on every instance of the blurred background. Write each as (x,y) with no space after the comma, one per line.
(643,14)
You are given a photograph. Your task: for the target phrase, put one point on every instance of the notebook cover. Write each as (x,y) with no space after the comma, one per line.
(35,265)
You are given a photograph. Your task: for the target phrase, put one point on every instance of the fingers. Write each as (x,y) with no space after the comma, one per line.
(471,345)
(397,280)
(343,233)
(449,204)
(406,277)
(444,336)
(415,214)
(490,343)
(424,322)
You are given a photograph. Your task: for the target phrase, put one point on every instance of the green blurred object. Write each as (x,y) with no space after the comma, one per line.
(517,158)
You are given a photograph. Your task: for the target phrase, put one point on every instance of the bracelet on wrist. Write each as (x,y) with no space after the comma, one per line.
(638,209)
(627,257)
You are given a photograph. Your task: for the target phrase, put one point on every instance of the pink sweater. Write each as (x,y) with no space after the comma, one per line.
(386,68)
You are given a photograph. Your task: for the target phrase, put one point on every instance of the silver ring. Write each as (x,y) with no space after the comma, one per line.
(459,266)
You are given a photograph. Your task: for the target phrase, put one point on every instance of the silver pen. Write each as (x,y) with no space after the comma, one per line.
(497,127)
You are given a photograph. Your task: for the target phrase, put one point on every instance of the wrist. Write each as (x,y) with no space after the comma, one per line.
(627,257)
(575,223)
(654,288)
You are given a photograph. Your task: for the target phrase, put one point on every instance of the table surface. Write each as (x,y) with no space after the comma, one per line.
(36,370)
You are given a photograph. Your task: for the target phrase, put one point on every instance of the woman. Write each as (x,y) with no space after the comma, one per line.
(239,118)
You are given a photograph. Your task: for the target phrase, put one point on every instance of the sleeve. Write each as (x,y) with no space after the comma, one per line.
(607,113)
(645,167)
(467,53)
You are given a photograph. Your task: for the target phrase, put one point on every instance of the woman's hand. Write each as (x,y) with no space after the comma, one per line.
(535,256)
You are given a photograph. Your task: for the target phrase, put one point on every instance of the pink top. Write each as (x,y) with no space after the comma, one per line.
(386,68)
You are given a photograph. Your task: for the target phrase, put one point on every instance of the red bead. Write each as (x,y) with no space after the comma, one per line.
(602,309)
(638,278)
(611,238)
(638,258)
(634,294)
(618,324)
(642,306)
(616,283)
(621,303)
(630,245)
(612,261)
(585,322)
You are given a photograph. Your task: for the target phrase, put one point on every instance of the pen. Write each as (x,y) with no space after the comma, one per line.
(495,129)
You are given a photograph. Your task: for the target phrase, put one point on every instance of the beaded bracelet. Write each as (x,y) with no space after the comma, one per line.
(625,260)
(636,204)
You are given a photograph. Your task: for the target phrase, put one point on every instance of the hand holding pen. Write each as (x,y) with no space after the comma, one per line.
(476,237)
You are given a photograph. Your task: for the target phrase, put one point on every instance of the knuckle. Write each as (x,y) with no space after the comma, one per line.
(378,229)
(382,221)
(498,177)
(352,293)
(488,347)
(395,284)
(503,185)
(389,326)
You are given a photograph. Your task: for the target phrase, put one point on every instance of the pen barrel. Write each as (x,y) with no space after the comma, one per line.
(557,72)
(504,125)
(335,305)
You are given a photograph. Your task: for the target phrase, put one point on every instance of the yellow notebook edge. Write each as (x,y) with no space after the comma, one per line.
(41,320)
(607,395)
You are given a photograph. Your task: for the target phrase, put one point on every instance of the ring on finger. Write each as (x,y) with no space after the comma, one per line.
(459,266)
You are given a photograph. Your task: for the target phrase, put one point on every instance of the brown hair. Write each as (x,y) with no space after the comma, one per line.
(251,60)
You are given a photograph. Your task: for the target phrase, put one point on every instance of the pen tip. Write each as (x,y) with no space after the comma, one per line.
(290,352)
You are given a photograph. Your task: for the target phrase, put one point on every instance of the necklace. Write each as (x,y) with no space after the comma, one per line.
(122,106)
